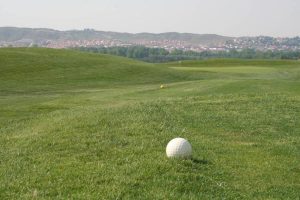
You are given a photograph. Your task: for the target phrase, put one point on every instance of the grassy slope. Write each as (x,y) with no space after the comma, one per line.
(46,69)
(77,125)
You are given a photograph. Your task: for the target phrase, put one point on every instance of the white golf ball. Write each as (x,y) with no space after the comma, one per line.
(179,148)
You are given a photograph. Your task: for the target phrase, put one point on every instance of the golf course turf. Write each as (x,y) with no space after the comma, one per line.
(77,125)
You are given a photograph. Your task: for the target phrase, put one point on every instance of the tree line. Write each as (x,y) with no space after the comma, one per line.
(162,55)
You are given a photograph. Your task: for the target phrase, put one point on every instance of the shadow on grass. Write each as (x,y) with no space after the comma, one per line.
(199,161)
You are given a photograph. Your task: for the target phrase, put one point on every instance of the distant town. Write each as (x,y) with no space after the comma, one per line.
(259,43)
(17,37)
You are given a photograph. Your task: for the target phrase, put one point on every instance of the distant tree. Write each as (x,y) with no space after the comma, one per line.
(162,55)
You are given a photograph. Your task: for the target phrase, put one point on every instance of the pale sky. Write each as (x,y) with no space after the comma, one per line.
(225,17)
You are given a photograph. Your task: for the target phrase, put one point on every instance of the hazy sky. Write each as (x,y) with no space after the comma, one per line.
(225,17)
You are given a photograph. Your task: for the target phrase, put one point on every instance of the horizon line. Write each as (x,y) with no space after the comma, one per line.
(154,33)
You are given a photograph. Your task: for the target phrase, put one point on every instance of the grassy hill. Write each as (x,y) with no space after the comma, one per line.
(46,69)
(86,126)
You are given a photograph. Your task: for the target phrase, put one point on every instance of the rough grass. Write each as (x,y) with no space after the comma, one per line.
(84,126)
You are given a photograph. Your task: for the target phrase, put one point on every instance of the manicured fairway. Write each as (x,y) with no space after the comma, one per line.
(87,126)
(241,69)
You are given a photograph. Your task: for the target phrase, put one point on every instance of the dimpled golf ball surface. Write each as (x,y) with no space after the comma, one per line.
(179,148)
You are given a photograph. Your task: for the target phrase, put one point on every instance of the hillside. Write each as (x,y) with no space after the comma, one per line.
(12,34)
(78,125)
(46,69)
(41,37)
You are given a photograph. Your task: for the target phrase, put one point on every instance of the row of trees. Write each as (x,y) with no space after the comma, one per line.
(162,55)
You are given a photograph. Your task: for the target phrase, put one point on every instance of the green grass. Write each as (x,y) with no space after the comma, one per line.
(87,126)
(241,69)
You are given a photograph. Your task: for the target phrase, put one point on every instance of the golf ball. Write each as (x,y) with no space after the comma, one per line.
(179,148)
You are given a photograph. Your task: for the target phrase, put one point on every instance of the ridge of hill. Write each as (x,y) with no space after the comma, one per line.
(36,35)
(50,38)
(40,68)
